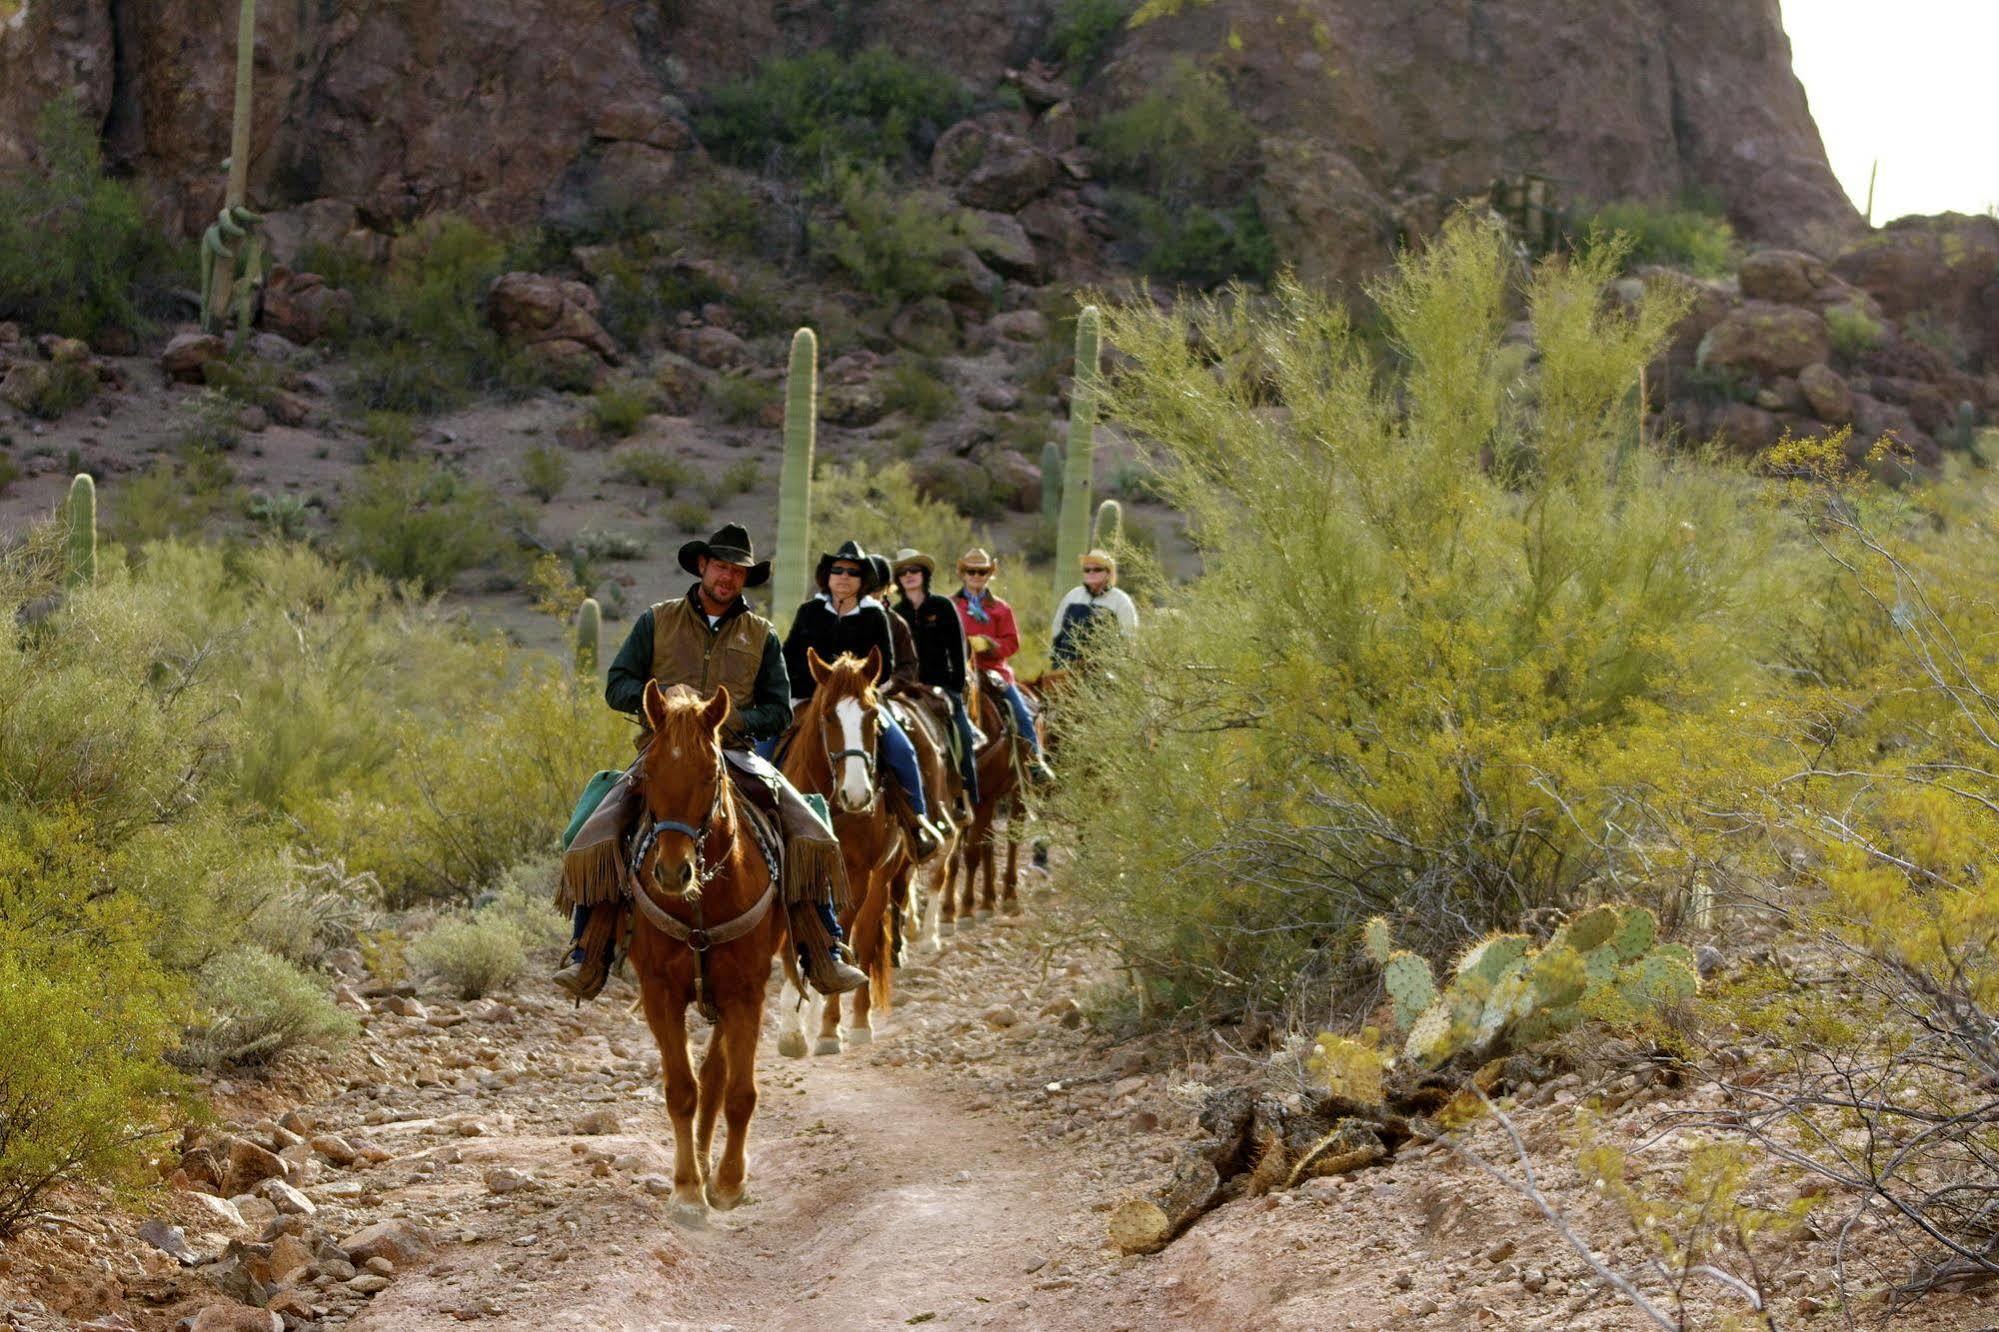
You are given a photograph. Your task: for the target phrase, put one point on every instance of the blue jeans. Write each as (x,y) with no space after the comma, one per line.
(968,767)
(1022,717)
(900,757)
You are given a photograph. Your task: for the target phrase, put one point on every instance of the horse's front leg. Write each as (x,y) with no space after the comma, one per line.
(715,1071)
(1016,829)
(829,1028)
(667,1017)
(741,1024)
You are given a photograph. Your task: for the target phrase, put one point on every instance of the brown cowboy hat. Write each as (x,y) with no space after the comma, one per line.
(911,558)
(731,545)
(976,558)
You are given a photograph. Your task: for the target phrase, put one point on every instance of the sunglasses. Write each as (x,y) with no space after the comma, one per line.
(910,573)
(838,572)
(1095,568)
(978,573)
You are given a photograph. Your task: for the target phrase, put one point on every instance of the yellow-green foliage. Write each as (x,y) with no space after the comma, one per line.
(1446,653)
(471,954)
(257,1005)
(1351,1068)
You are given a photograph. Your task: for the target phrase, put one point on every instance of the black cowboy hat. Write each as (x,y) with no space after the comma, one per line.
(731,545)
(879,563)
(850,551)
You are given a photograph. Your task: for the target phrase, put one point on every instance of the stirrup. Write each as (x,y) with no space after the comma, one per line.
(583,980)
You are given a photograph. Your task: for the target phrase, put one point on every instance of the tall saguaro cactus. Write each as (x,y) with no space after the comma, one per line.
(231,251)
(589,637)
(1051,483)
(794,483)
(80,553)
(1072,528)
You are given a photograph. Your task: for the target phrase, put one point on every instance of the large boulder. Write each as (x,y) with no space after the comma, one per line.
(1004,244)
(1324,214)
(985,164)
(1765,339)
(1826,394)
(533,310)
(401,1242)
(300,307)
(1873,418)
(291,234)
(1742,428)
(187,354)
(1946,267)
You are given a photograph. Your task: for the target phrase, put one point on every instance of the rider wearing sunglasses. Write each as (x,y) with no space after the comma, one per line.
(993,636)
(1083,609)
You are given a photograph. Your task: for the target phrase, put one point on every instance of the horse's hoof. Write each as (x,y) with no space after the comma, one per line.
(826,1045)
(983,913)
(947,927)
(1010,907)
(727,1202)
(791,1044)
(689,1215)
(861,1036)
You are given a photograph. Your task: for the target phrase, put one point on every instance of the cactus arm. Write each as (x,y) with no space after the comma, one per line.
(80,557)
(794,486)
(589,637)
(1107,531)
(1072,528)
(1051,485)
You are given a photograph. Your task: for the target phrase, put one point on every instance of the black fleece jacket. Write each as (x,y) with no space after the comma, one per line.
(816,626)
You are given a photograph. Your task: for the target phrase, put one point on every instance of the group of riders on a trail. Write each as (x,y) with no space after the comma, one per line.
(931,651)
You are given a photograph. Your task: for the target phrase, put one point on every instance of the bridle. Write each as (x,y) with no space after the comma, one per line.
(866,756)
(697,935)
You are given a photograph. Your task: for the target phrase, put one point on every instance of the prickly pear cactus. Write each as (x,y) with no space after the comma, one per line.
(1374,938)
(1490,958)
(1588,929)
(1409,984)
(1431,1037)
(1636,932)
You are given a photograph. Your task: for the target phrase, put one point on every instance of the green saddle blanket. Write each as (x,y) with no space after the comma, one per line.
(593,796)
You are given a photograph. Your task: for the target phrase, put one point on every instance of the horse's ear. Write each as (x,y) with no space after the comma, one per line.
(655,705)
(874,664)
(817,666)
(716,710)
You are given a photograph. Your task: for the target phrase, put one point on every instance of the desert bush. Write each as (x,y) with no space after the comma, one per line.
(1184,139)
(800,112)
(740,398)
(693,516)
(285,517)
(1084,32)
(603,543)
(10,472)
(77,256)
(1854,332)
(209,422)
(891,243)
(473,954)
(256,1005)
(544,472)
(421,523)
(1686,235)
(655,469)
(915,386)
(1196,243)
(1404,683)
(58,389)
(391,436)
(175,497)
(618,410)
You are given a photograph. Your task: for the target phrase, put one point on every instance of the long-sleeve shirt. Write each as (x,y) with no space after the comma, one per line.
(940,641)
(766,713)
(1115,600)
(818,626)
(992,618)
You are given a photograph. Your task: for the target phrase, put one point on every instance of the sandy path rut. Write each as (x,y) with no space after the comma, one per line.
(883,1193)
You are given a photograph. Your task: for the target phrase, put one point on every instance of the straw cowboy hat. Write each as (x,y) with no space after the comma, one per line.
(731,545)
(976,558)
(1103,557)
(911,558)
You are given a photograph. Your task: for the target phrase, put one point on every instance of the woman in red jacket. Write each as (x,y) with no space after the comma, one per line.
(993,636)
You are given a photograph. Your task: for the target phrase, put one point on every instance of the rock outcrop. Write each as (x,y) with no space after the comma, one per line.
(1372,117)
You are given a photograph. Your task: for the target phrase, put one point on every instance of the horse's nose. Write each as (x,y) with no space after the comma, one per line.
(686,875)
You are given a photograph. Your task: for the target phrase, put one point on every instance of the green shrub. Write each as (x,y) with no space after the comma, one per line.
(284,517)
(1184,140)
(176,497)
(741,476)
(742,399)
(1694,238)
(256,1006)
(618,410)
(692,516)
(210,424)
(473,955)
(57,389)
(804,111)
(421,523)
(596,543)
(654,469)
(10,472)
(77,256)
(391,436)
(1197,243)
(1405,683)
(1854,334)
(913,386)
(1084,32)
(320,908)
(544,472)
(892,244)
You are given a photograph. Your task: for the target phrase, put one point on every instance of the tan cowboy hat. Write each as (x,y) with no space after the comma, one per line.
(976,558)
(911,558)
(1103,557)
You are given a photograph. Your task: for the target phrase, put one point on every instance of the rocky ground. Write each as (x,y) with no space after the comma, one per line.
(504,1162)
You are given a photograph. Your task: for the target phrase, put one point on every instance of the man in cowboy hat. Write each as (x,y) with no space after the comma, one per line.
(993,636)
(941,652)
(707,638)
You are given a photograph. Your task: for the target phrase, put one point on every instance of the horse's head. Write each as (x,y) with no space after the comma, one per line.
(681,781)
(849,723)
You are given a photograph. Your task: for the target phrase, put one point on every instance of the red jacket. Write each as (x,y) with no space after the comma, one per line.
(999,627)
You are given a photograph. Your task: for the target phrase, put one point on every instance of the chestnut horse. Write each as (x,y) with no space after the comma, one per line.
(705,927)
(942,782)
(831,751)
(1000,777)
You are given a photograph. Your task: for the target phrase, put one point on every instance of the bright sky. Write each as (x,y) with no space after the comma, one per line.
(1908,82)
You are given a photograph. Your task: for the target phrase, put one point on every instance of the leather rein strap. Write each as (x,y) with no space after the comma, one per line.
(695,935)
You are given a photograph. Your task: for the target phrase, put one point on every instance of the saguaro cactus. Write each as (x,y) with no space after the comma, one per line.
(1072,529)
(80,558)
(589,635)
(228,273)
(1051,482)
(1108,529)
(794,485)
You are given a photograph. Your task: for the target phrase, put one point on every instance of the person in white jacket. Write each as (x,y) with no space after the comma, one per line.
(1081,607)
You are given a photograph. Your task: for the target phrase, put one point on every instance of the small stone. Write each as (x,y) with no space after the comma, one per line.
(236,1318)
(1403,1281)
(1533,1280)
(369,1285)
(505,1179)
(399,1241)
(657,1185)
(472,1128)
(598,1122)
(249,1166)
(170,1240)
(1500,1252)
(220,1208)
(289,1255)
(334,1148)
(381,1266)
(288,1200)
(1002,1015)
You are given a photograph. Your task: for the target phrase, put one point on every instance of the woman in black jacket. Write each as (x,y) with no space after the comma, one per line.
(940,650)
(844,617)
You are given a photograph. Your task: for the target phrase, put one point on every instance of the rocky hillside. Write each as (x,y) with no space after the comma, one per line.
(1369,120)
